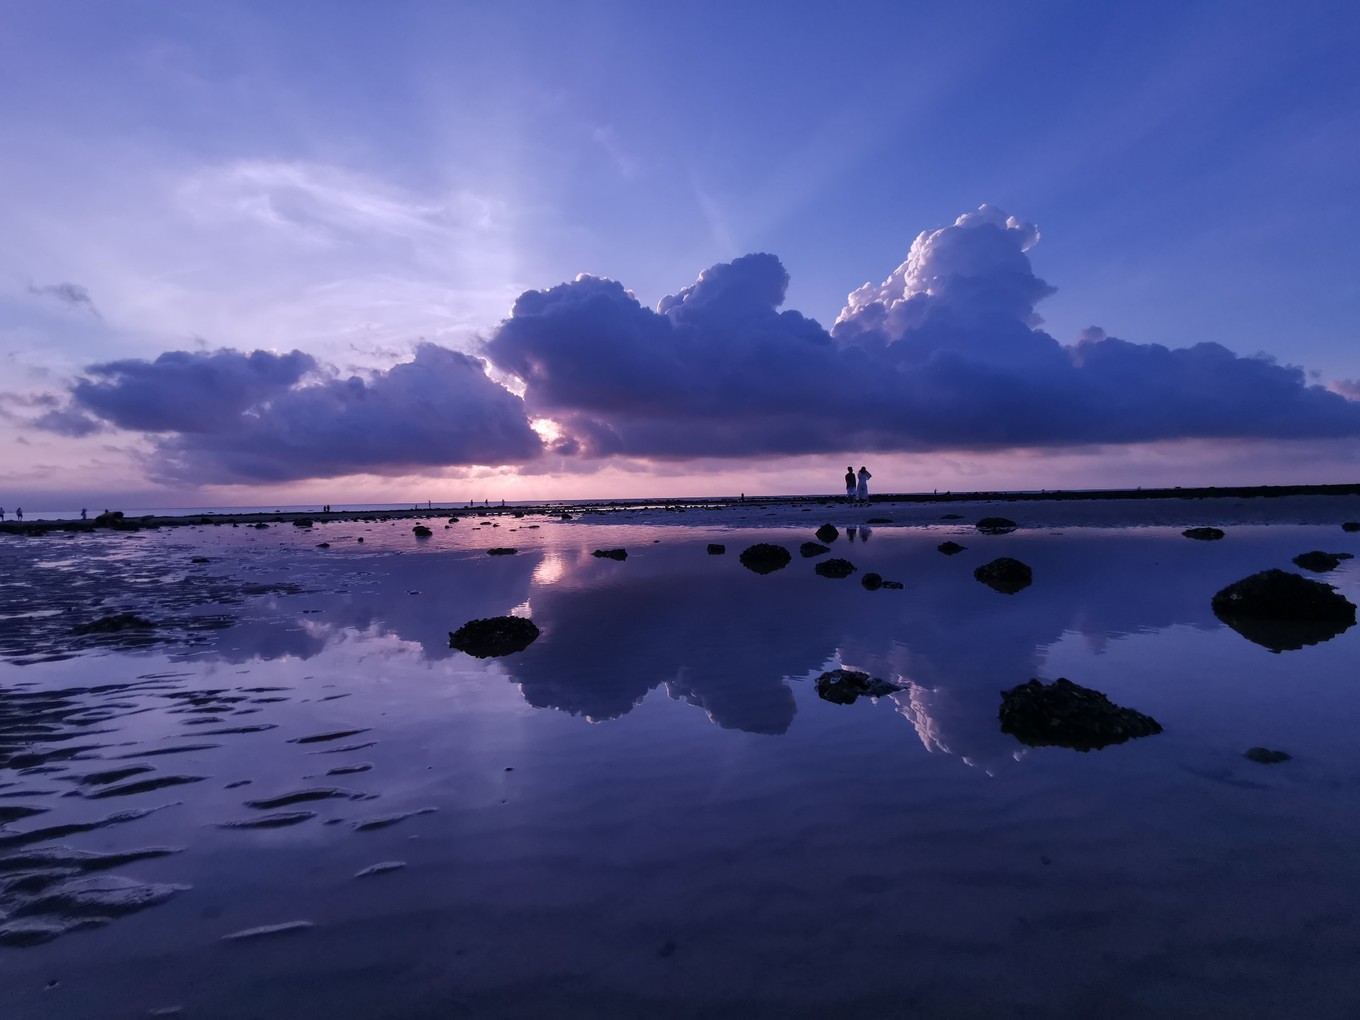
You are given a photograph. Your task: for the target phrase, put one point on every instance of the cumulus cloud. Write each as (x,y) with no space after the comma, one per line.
(231,417)
(946,353)
(70,294)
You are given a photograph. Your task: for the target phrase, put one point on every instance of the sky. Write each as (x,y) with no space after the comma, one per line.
(344,252)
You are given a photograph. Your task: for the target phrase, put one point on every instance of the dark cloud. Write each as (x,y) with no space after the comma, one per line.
(67,422)
(946,353)
(72,294)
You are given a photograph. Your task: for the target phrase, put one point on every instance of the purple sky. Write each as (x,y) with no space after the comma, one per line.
(434,253)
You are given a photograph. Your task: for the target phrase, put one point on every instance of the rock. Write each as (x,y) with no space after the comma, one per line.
(420,531)
(303,522)
(896,585)
(844,686)
(1266,756)
(1320,562)
(323,545)
(260,524)
(827,533)
(835,568)
(1005,575)
(1064,714)
(499,635)
(951,517)
(765,558)
(1204,534)
(453,520)
(810,549)
(501,551)
(716,549)
(113,624)
(564,516)
(879,520)
(611,554)
(1283,611)
(200,559)
(872,581)
(950,548)
(109,519)
(1351,526)
(996,525)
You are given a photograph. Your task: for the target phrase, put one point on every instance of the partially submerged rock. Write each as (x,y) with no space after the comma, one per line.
(996,525)
(501,551)
(1064,714)
(1283,611)
(498,635)
(844,686)
(420,531)
(1266,756)
(113,624)
(765,557)
(872,581)
(1351,526)
(302,522)
(827,533)
(716,549)
(1204,534)
(835,568)
(950,548)
(610,554)
(1005,575)
(810,549)
(1320,562)
(109,519)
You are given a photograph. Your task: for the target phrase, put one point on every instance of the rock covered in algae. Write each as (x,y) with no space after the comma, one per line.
(1005,575)
(835,568)
(610,554)
(950,548)
(1064,714)
(765,557)
(498,635)
(420,531)
(827,533)
(844,686)
(1320,562)
(1283,611)
(809,549)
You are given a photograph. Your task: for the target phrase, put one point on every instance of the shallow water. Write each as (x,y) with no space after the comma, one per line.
(316,808)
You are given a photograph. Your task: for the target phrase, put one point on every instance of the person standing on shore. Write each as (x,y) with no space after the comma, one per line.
(849,485)
(19,513)
(2,513)
(862,487)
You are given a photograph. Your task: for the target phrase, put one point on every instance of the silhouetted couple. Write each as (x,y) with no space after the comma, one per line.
(857,488)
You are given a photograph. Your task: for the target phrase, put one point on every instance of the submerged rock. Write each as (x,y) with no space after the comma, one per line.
(1005,575)
(501,551)
(1064,714)
(1320,562)
(872,581)
(1204,534)
(498,635)
(765,558)
(610,554)
(716,549)
(1266,756)
(950,548)
(1283,611)
(113,624)
(827,533)
(996,525)
(1351,526)
(844,686)
(835,568)
(810,549)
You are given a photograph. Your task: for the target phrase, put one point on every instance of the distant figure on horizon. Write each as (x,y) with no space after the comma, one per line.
(862,489)
(84,514)
(849,485)
(19,513)
(2,513)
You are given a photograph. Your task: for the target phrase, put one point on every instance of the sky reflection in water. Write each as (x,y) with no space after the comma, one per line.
(639,862)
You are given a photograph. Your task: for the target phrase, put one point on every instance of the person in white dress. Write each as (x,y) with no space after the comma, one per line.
(862,489)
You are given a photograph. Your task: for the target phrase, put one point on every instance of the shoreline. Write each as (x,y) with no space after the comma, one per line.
(569,510)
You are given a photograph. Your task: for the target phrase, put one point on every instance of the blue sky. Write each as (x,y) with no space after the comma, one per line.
(353,180)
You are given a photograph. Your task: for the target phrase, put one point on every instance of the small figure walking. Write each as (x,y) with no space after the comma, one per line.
(849,485)
(19,513)
(862,489)
(84,514)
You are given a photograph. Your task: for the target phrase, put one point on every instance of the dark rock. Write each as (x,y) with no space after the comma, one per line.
(1266,756)
(200,559)
(303,522)
(1351,526)
(872,581)
(1283,611)
(950,548)
(827,533)
(1204,534)
(1320,562)
(835,568)
(996,525)
(420,531)
(879,520)
(611,554)
(765,558)
(844,686)
(501,551)
(109,519)
(499,635)
(113,624)
(564,516)
(323,545)
(260,524)
(716,549)
(1005,575)
(1064,714)
(951,517)
(810,549)
(453,520)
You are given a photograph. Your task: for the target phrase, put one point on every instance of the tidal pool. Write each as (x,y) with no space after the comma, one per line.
(290,797)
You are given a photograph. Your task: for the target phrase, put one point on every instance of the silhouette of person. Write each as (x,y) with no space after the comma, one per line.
(84,514)
(19,513)
(849,485)
(2,513)
(862,489)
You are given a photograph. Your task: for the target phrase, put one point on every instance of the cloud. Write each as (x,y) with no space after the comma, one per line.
(946,353)
(72,294)
(230,417)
